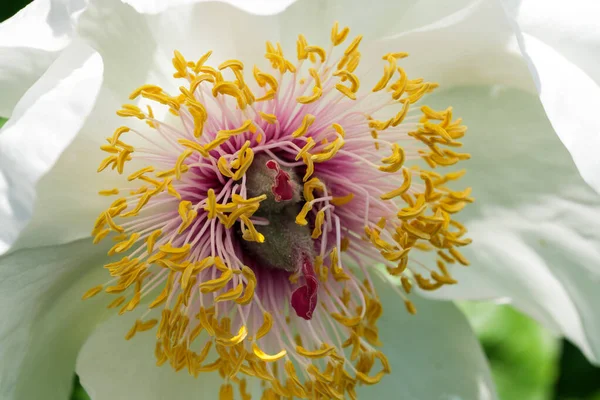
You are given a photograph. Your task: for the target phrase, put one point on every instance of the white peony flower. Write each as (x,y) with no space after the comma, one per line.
(250,205)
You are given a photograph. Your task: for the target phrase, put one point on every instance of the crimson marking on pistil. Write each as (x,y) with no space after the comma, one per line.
(304,299)
(282,188)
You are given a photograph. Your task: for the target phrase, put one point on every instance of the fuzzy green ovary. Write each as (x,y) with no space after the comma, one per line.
(285,241)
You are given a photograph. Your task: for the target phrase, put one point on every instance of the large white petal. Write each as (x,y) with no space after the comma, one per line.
(535,223)
(44,123)
(472,44)
(44,320)
(29,42)
(561,42)
(433,355)
(111,367)
(437,345)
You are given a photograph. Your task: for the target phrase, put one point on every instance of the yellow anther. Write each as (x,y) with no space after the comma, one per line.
(347,75)
(124,245)
(201,61)
(317,93)
(215,284)
(310,143)
(230,89)
(270,118)
(318,224)
(129,110)
(402,189)
(338,37)
(247,156)
(100,235)
(266,326)
(267,357)
(169,249)
(310,167)
(251,234)
(307,121)
(112,224)
(347,321)
(396,255)
(151,240)
(339,129)
(180,65)
(139,173)
(233,64)
(226,392)
(211,204)
(388,73)
(301,217)
(118,132)
(323,352)
(340,201)
(145,88)
(395,161)
(250,286)
(329,151)
(316,50)
(353,46)
(315,75)
(232,294)
(109,192)
(458,256)
(235,339)
(92,292)
(310,186)
(346,91)
(224,168)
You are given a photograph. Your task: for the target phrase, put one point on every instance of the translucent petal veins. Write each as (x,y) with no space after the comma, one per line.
(200,242)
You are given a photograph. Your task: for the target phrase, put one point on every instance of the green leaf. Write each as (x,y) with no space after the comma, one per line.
(78,391)
(523,355)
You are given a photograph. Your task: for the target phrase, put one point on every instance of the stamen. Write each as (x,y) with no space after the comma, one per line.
(236,239)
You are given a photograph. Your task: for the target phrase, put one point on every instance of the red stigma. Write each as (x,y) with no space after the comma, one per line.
(304,299)
(282,188)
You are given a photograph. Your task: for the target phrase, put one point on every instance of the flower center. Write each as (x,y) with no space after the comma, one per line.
(249,234)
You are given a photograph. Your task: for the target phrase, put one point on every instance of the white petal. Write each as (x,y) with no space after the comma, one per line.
(433,354)
(111,367)
(474,44)
(535,223)
(138,48)
(437,345)
(570,28)
(29,42)
(44,123)
(44,320)
(562,44)
(260,7)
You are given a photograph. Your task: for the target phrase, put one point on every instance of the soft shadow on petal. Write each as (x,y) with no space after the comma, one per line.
(29,42)
(535,223)
(433,354)
(571,99)
(561,43)
(44,320)
(474,44)
(570,28)
(138,48)
(111,367)
(44,123)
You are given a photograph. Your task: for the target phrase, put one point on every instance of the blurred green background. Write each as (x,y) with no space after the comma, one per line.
(528,362)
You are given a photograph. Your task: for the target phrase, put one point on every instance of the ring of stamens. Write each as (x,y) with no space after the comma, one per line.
(177,231)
